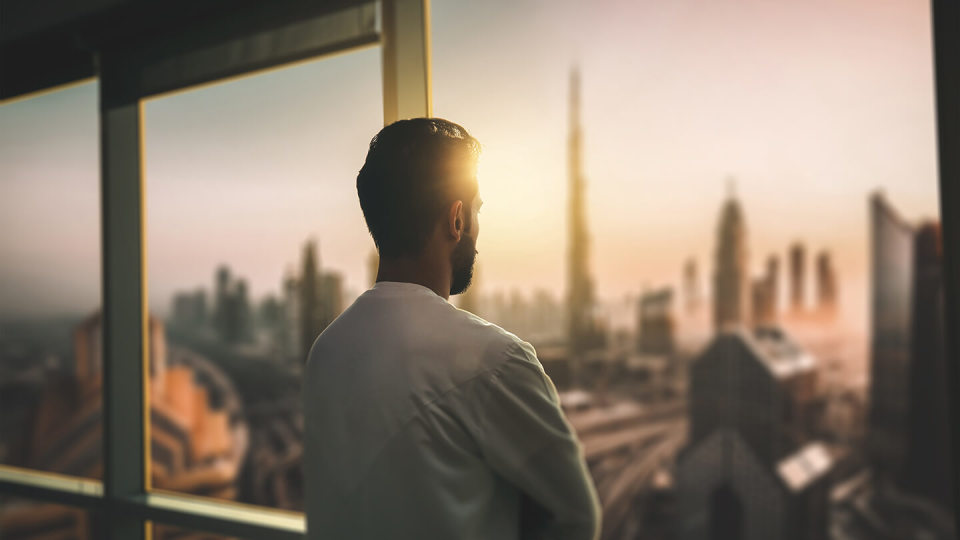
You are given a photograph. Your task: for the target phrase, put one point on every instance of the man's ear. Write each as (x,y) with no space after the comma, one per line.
(455,220)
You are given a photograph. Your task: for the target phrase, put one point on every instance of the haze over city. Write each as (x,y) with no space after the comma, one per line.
(809,107)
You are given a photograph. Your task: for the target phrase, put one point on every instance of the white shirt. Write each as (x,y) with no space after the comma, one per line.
(424,421)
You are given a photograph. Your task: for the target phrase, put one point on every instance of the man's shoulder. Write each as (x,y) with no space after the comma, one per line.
(497,344)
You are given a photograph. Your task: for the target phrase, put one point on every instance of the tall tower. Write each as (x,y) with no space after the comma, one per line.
(773,280)
(310,315)
(579,285)
(826,284)
(798,256)
(691,285)
(731,284)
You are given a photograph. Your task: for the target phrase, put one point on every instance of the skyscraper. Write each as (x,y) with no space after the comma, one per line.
(797,277)
(773,281)
(691,285)
(731,285)
(764,310)
(582,331)
(310,315)
(909,439)
(826,284)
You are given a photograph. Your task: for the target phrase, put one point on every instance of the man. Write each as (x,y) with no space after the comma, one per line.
(424,421)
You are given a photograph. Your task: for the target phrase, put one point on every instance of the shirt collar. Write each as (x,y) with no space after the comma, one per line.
(403,287)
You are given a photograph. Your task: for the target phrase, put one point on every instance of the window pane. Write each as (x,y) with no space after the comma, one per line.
(27,519)
(726,214)
(50,282)
(256,242)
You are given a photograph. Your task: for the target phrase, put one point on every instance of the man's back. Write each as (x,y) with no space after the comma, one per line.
(423,421)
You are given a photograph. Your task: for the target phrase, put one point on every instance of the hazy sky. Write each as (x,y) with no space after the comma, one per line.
(810,105)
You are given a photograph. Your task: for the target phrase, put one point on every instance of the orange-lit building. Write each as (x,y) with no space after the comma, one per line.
(198,439)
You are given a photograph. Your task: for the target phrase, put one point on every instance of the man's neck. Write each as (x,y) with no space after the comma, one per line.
(408,270)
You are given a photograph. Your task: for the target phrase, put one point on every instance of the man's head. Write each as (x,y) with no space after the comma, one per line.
(419,194)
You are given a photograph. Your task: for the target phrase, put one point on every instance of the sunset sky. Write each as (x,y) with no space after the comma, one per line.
(809,105)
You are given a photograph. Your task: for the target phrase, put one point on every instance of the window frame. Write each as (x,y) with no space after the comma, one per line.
(124,497)
(262,38)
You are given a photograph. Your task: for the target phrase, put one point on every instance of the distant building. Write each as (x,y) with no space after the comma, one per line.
(190,309)
(749,470)
(826,284)
(731,285)
(583,331)
(797,277)
(909,439)
(233,318)
(764,296)
(312,301)
(761,302)
(655,323)
(773,283)
(691,285)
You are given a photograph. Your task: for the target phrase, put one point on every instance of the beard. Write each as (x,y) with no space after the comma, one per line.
(461,261)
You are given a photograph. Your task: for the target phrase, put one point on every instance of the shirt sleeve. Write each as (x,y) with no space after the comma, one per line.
(525,438)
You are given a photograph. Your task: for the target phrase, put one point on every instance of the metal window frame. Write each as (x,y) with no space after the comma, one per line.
(945,15)
(128,76)
(406,91)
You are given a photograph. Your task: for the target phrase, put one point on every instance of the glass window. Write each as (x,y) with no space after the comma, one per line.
(256,242)
(50,376)
(27,519)
(726,214)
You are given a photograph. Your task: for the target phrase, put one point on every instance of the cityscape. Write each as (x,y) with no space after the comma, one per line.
(718,411)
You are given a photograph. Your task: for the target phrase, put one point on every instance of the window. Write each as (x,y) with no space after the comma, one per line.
(256,242)
(178,440)
(733,209)
(50,377)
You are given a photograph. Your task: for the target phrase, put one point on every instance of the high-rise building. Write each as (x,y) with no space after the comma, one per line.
(909,440)
(749,469)
(797,277)
(731,285)
(233,321)
(761,305)
(583,333)
(655,324)
(826,284)
(892,257)
(310,318)
(313,300)
(190,309)
(691,285)
(773,281)
(764,294)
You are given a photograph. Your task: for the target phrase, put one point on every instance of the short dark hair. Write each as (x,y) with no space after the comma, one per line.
(409,177)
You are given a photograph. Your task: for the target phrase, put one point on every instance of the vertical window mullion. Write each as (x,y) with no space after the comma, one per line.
(124,301)
(406,59)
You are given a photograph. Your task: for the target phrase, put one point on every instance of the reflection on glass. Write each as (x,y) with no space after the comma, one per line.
(50,282)
(256,243)
(24,519)
(693,214)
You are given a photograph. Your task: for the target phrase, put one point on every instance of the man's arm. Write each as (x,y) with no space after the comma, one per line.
(526,439)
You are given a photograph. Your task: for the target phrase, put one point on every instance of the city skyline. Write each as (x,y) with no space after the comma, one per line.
(226,166)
